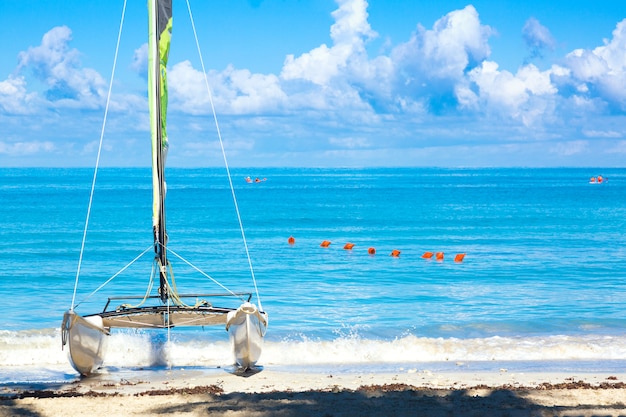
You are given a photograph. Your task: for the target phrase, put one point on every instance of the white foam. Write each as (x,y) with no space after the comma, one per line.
(31,348)
(42,349)
(146,349)
(355,350)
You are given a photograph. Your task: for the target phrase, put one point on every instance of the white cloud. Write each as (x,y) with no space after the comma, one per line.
(187,89)
(586,65)
(439,84)
(26,148)
(58,66)
(338,83)
(466,97)
(535,81)
(602,133)
(351,24)
(527,95)
(569,148)
(15,98)
(236,91)
(602,71)
(499,88)
(457,41)
(349,33)
(614,51)
(140,60)
(318,66)
(255,93)
(350,142)
(537,37)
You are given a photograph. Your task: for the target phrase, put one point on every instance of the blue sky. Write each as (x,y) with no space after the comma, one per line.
(322,83)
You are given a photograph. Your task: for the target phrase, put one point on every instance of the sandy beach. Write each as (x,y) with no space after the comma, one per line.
(221,392)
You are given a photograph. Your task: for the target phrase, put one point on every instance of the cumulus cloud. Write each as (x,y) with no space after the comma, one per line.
(340,76)
(430,68)
(601,72)
(537,37)
(501,89)
(236,91)
(58,66)
(15,98)
(187,89)
(456,43)
(338,96)
(414,76)
(527,95)
(349,33)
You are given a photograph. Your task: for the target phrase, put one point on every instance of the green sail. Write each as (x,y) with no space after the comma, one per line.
(160,33)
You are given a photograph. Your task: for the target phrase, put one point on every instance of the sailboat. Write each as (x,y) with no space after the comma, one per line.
(246,322)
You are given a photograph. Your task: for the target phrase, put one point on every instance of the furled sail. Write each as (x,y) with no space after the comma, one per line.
(160,33)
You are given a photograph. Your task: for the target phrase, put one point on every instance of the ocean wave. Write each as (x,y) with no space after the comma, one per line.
(42,348)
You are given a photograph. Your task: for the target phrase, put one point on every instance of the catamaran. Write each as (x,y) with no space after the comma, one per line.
(246,322)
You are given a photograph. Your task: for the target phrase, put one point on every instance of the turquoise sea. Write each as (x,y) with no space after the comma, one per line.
(542,284)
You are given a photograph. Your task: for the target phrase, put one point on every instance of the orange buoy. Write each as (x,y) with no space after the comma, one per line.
(371,251)
(427,255)
(291,240)
(459,257)
(325,244)
(439,256)
(395,253)
(348,246)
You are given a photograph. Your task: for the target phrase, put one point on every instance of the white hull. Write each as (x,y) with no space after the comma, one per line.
(246,327)
(85,337)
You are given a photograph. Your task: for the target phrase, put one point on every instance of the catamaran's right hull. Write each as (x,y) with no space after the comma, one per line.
(246,327)
(85,337)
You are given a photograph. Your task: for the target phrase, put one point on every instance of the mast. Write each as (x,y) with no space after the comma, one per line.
(160,31)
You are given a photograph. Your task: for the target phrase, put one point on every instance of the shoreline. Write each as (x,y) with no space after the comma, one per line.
(268,392)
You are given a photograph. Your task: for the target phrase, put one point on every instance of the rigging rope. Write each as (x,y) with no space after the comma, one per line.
(147,294)
(219,135)
(206,275)
(95,173)
(115,275)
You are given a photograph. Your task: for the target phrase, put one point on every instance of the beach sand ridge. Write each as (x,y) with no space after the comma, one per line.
(271,393)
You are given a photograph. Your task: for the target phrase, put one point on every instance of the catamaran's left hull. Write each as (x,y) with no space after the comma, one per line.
(246,327)
(85,337)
